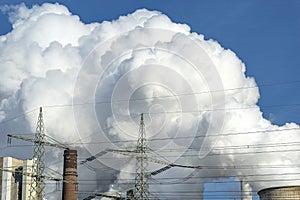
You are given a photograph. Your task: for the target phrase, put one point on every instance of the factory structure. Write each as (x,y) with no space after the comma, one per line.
(280,193)
(15,181)
(24,179)
(14,184)
(16,178)
(70,186)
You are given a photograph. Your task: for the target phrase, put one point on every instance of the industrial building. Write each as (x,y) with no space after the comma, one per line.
(280,193)
(14,183)
(70,186)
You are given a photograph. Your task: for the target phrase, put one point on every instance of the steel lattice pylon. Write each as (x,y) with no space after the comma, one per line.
(141,180)
(37,181)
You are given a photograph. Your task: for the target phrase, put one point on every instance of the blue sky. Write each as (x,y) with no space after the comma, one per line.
(264,35)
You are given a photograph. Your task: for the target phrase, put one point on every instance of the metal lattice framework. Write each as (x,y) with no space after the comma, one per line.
(37,173)
(141,180)
(37,181)
(141,153)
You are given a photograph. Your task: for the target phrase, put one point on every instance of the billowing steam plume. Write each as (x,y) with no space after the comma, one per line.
(95,79)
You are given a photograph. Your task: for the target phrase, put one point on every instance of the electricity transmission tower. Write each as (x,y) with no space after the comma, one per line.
(40,140)
(37,182)
(140,152)
(141,178)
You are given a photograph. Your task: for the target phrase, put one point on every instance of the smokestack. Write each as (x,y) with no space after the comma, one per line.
(246,191)
(70,175)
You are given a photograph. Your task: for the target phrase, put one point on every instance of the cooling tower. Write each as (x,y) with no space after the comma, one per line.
(280,193)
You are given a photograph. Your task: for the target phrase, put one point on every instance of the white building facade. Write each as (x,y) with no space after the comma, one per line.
(15,178)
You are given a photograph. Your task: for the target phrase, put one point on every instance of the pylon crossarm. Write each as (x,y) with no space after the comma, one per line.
(157,161)
(160,170)
(33,175)
(136,154)
(30,174)
(22,137)
(122,151)
(101,153)
(48,141)
(54,143)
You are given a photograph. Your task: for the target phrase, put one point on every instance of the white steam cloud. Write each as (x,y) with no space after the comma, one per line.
(142,62)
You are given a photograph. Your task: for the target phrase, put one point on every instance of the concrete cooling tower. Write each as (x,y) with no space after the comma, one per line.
(280,193)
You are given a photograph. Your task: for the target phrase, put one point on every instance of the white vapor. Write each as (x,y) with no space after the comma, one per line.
(134,64)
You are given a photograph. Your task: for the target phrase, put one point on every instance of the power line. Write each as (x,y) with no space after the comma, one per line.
(221,134)
(221,154)
(179,111)
(202,177)
(18,116)
(170,96)
(165,96)
(179,181)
